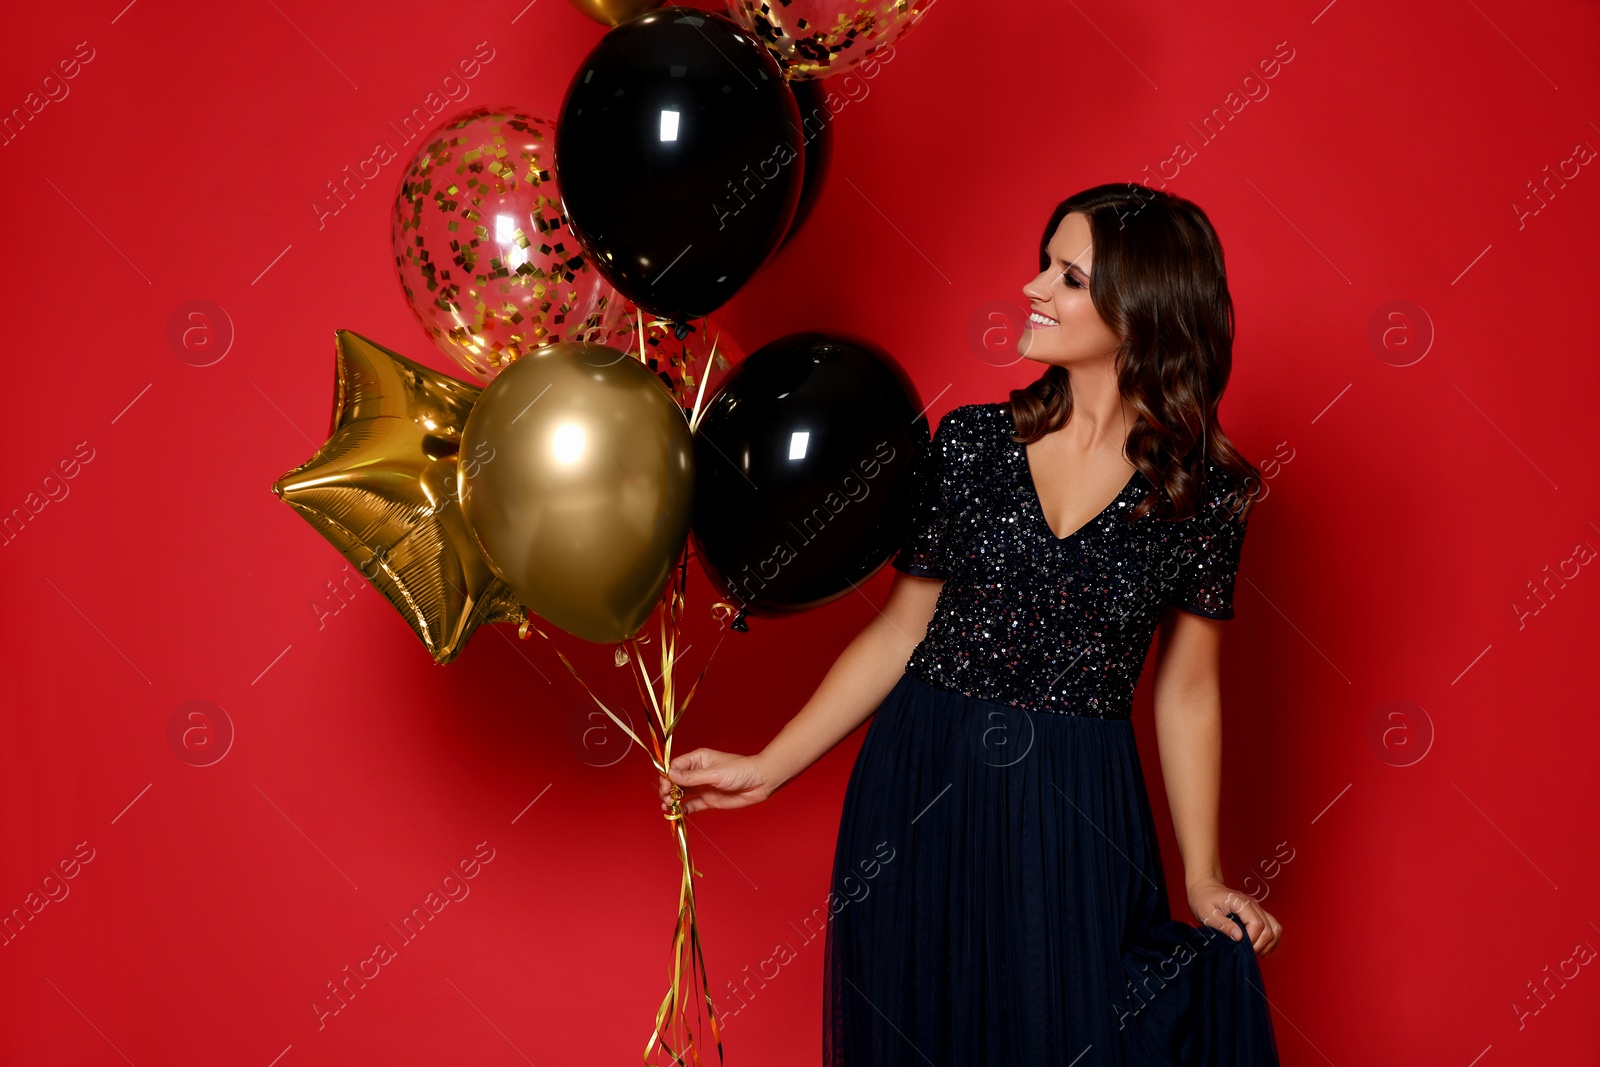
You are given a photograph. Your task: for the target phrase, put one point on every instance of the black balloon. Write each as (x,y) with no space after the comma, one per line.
(803,463)
(681,159)
(816,121)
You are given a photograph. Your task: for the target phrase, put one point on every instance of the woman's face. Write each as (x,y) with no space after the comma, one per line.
(1065,328)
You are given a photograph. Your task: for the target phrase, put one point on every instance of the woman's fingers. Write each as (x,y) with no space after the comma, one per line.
(1258,925)
(688,770)
(707,778)
(1274,933)
(1262,934)
(1231,928)
(1253,925)
(689,804)
(686,803)
(1219,919)
(695,768)
(1222,918)
(681,771)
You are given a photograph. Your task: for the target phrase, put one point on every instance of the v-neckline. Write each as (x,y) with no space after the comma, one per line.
(1038,504)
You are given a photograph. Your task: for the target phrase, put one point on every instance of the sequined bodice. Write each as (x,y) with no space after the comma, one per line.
(1053,624)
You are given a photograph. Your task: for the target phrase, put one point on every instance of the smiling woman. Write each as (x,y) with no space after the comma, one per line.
(1027,921)
(1152,340)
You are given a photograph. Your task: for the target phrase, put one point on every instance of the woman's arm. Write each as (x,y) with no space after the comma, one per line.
(857,682)
(1188,709)
(1188,705)
(848,694)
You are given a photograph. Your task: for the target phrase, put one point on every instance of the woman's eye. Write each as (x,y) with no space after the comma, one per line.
(1070,280)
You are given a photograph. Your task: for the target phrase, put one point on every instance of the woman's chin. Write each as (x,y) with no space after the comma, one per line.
(1027,350)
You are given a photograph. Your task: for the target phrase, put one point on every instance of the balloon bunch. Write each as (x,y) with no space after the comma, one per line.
(562,262)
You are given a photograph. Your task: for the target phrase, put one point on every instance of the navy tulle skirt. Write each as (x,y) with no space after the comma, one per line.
(998,901)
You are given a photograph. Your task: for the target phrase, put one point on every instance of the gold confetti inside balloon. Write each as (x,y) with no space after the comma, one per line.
(483,250)
(383,491)
(612,12)
(583,500)
(821,38)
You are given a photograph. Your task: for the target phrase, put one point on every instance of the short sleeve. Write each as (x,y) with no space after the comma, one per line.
(1208,567)
(923,553)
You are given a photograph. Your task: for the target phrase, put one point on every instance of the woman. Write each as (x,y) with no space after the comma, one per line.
(998,894)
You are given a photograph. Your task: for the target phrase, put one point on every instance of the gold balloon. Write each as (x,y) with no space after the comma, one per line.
(383,491)
(581,488)
(614,12)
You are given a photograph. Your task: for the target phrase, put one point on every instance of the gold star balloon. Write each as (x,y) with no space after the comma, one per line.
(383,491)
(614,12)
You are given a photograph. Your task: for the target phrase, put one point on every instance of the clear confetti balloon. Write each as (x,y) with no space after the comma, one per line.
(483,250)
(821,38)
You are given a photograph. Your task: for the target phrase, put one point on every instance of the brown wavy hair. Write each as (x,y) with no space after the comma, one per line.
(1159,282)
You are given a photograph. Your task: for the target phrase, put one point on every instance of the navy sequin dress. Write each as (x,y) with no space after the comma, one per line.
(998,895)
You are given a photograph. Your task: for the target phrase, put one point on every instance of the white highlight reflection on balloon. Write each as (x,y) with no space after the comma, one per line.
(569,442)
(505,235)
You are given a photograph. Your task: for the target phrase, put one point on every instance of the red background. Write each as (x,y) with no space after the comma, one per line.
(1416,505)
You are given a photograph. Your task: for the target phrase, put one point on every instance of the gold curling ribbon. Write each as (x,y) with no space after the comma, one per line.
(667,713)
